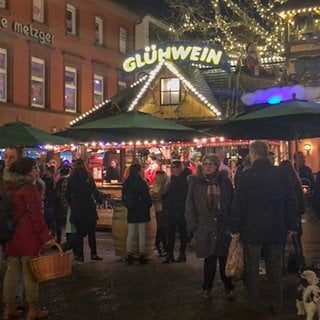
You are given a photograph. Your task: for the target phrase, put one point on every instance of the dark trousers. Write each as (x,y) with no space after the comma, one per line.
(161,234)
(273,256)
(172,227)
(209,272)
(77,240)
(59,224)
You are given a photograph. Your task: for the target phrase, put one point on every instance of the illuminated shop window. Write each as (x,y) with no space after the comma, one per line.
(3,74)
(3,4)
(70,89)
(121,85)
(170,91)
(37,10)
(37,82)
(71,26)
(122,40)
(97,89)
(98,31)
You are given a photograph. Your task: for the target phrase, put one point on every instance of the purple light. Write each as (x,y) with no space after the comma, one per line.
(283,93)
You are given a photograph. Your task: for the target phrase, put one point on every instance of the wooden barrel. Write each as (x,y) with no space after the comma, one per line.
(120,231)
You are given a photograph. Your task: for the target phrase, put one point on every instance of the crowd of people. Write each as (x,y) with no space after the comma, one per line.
(40,204)
(262,209)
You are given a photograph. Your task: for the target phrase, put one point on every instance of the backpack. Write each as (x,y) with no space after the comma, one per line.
(7,223)
(6,220)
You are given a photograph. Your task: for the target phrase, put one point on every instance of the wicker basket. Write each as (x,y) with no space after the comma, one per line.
(47,267)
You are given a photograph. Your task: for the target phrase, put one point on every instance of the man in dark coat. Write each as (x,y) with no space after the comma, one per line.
(264,211)
(174,202)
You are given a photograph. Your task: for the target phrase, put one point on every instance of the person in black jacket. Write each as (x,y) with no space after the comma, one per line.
(174,201)
(82,196)
(288,167)
(264,210)
(136,198)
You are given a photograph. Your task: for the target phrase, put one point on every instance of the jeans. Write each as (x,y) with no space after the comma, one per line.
(273,257)
(142,228)
(209,271)
(15,267)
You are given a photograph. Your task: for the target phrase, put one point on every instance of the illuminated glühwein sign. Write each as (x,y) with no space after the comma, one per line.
(184,52)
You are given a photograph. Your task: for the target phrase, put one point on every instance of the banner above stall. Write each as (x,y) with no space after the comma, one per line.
(184,52)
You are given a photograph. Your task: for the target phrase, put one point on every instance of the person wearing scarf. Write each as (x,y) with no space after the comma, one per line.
(207,211)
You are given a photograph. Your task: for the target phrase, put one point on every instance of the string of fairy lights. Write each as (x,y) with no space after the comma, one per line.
(266,24)
(260,20)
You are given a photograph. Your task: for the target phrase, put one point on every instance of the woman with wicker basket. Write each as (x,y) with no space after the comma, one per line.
(31,233)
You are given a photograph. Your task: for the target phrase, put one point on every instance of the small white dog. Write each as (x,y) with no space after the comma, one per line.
(308,300)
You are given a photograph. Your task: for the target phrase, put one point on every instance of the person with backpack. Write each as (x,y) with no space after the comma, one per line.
(11,154)
(30,235)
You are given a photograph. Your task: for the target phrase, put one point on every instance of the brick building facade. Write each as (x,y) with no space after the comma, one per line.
(59,58)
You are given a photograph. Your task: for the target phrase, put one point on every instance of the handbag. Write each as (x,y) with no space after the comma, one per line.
(235,263)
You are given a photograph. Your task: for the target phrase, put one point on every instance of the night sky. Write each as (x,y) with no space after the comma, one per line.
(158,8)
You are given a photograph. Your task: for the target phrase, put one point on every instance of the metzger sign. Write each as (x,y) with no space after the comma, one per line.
(28,30)
(184,52)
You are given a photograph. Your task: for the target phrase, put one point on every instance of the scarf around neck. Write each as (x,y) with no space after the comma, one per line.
(213,192)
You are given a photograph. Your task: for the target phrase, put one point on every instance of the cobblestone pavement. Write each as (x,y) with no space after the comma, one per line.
(111,290)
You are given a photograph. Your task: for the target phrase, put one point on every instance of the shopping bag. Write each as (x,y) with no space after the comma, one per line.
(235,263)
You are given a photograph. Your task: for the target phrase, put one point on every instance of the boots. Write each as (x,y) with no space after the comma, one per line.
(182,257)
(11,311)
(143,259)
(35,312)
(169,258)
(130,259)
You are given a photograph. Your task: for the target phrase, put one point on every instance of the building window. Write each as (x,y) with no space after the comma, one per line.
(121,85)
(122,40)
(70,89)
(71,20)
(3,74)
(170,91)
(97,89)
(38,10)
(37,82)
(98,31)
(3,4)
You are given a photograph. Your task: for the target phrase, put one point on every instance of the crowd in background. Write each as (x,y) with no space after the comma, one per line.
(261,207)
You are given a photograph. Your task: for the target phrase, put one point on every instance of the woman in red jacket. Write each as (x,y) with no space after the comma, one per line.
(31,233)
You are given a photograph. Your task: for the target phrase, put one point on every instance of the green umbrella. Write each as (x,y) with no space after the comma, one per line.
(24,135)
(131,125)
(290,120)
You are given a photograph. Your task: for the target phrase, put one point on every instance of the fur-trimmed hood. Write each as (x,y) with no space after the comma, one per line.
(17,179)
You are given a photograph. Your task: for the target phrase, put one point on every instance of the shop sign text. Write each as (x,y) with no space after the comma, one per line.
(213,56)
(28,30)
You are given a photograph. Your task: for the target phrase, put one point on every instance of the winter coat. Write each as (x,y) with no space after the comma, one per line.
(264,207)
(209,225)
(31,231)
(174,200)
(138,189)
(82,196)
(60,210)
